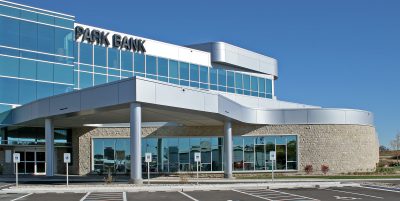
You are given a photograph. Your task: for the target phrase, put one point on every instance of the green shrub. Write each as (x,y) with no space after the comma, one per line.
(385,170)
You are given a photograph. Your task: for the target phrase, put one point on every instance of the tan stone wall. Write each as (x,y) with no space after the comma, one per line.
(344,148)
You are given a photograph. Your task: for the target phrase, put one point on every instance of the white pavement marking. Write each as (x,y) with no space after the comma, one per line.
(124,196)
(252,195)
(190,197)
(18,198)
(355,193)
(294,195)
(271,195)
(84,197)
(380,189)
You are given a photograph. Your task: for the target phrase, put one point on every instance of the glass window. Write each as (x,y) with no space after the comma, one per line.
(86,54)
(45,19)
(61,88)
(239,83)
(246,84)
(100,70)
(44,71)
(268,86)
(248,149)
(99,79)
(114,72)
(203,77)
(86,80)
(221,80)
(261,84)
(27,69)
(28,35)
(163,69)
(63,74)
(9,11)
(28,15)
(259,157)
(213,79)
(231,81)
(237,153)
(44,90)
(151,67)
(113,58)
(127,60)
(27,91)
(139,64)
(113,78)
(63,22)
(291,148)
(173,72)
(9,66)
(100,56)
(45,38)
(11,86)
(63,42)
(9,34)
(254,86)
(184,73)
(194,75)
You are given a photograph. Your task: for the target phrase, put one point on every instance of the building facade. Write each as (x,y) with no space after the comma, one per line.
(109,97)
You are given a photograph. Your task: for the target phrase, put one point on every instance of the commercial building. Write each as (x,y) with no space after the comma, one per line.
(109,97)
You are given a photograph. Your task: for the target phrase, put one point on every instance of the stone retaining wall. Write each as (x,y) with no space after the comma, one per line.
(344,148)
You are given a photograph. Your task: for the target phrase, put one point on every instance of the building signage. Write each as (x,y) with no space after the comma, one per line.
(101,38)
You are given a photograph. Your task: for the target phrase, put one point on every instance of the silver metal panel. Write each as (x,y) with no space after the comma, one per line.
(99,96)
(127,91)
(206,106)
(65,103)
(296,116)
(326,116)
(232,55)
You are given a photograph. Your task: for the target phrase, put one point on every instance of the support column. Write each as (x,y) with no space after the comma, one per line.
(136,143)
(228,149)
(49,135)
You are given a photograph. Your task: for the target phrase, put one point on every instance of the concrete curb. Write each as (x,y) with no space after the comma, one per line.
(168,188)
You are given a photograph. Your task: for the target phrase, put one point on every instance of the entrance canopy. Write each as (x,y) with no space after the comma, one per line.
(164,102)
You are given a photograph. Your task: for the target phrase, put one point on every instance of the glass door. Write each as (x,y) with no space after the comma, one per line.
(40,160)
(32,162)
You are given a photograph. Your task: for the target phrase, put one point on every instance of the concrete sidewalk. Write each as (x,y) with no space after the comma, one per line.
(166,187)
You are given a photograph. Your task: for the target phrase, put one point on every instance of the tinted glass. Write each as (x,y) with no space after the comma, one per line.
(28,35)
(9,66)
(27,91)
(151,65)
(45,38)
(100,56)
(86,53)
(163,69)
(113,58)
(63,74)
(139,63)
(63,42)
(27,69)
(126,60)
(9,34)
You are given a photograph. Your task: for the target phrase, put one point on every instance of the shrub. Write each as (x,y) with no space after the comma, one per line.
(324,169)
(308,169)
(385,170)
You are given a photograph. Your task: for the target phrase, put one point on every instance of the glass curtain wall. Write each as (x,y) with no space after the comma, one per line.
(36,55)
(177,154)
(92,68)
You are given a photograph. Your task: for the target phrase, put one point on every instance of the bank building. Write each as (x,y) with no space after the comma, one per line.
(108,98)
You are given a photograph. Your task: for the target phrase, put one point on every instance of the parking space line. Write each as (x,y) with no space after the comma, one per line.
(355,193)
(84,197)
(251,195)
(18,198)
(188,196)
(379,189)
(124,196)
(294,195)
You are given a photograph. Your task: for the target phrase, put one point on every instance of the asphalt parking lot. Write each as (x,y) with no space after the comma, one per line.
(343,193)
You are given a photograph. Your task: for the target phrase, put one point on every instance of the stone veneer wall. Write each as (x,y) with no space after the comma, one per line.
(344,148)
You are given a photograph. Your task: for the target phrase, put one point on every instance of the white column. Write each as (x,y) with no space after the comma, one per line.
(49,135)
(228,149)
(136,143)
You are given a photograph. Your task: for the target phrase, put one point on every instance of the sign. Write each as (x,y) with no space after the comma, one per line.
(148,158)
(101,38)
(67,158)
(197,157)
(272,155)
(16,157)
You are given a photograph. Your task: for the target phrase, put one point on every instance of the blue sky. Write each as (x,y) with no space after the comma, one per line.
(338,53)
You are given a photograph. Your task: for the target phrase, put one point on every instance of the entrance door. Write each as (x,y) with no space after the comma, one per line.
(32,162)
